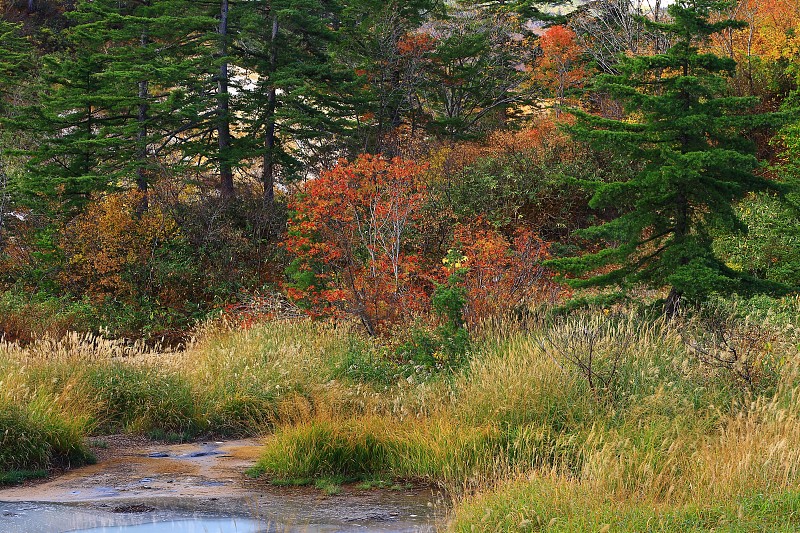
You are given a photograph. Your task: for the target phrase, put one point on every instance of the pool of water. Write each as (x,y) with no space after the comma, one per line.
(192,525)
(22,517)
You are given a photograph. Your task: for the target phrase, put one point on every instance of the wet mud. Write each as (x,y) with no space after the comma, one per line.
(143,486)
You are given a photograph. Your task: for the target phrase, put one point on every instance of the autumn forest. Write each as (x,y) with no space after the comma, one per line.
(541,255)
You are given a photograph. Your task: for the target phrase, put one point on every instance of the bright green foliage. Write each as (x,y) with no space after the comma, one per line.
(790,137)
(450,298)
(771,248)
(320,449)
(142,400)
(697,161)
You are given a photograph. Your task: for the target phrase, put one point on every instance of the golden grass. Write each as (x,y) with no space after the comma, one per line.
(519,437)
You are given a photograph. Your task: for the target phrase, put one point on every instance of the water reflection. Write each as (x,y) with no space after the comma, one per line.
(304,516)
(196,525)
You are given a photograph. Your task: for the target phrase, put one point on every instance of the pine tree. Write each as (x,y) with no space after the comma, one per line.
(112,98)
(15,54)
(291,112)
(14,57)
(689,134)
(154,46)
(67,163)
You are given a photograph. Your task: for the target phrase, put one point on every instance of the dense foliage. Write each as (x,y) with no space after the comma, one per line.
(689,133)
(526,251)
(162,160)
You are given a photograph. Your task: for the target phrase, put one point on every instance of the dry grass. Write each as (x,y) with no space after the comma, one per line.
(520,437)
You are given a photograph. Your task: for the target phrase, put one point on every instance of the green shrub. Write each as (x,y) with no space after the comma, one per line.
(365,363)
(445,347)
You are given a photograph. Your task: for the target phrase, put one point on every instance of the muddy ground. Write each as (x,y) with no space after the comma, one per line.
(140,478)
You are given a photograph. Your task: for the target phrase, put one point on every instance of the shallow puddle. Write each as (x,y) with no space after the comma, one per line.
(24,517)
(194,525)
(200,487)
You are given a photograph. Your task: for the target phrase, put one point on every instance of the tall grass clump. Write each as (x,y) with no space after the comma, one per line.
(246,382)
(140,399)
(353,449)
(688,438)
(36,436)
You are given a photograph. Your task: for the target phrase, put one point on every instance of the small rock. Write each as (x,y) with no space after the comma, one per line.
(158,455)
(202,454)
(136,508)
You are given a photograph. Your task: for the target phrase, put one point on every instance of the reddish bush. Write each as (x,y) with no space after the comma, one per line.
(350,235)
(504,274)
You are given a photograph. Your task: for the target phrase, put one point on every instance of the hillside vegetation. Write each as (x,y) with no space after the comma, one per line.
(666,438)
(546,262)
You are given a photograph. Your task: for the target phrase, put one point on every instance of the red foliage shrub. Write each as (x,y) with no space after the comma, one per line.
(351,237)
(504,274)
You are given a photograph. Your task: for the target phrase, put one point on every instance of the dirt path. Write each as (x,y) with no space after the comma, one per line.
(130,469)
(137,480)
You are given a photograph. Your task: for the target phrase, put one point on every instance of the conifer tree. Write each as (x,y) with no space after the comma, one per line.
(72,113)
(689,133)
(14,54)
(291,111)
(112,97)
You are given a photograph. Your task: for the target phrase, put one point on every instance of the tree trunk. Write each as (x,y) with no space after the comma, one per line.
(673,304)
(141,138)
(268,170)
(3,197)
(223,111)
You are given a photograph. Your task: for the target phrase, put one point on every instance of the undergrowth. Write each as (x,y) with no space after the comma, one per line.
(595,420)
